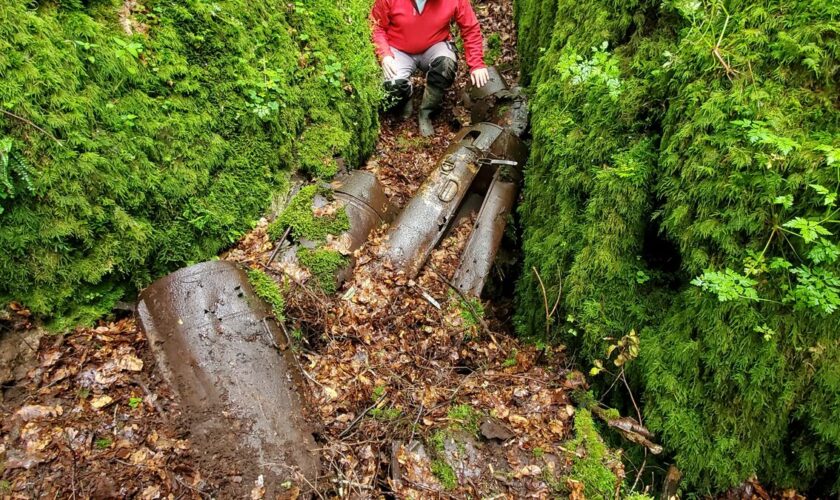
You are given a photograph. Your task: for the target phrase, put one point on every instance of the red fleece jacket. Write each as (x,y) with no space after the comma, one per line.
(397,23)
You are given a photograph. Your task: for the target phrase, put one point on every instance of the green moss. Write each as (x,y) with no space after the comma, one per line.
(445,474)
(171,142)
(464,417)
(494,49)
(267,289)
(388,414)
(323,264)
(304,224)
(652,162)
(438,442)
(591,458)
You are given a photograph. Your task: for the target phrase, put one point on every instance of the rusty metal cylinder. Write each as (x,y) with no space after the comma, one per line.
(218,346)
(497,103)
(486,237)
(365,202)
(422,223)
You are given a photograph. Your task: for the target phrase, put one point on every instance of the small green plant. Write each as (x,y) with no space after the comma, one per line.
(5,486)
(15,173)
(472,311)
(134,402)
(388,414)
(378,392)
(511,359)
(464,417)
(538,452)
(267,289)
(334,72)
(600,69)
(445,474)
(103,443)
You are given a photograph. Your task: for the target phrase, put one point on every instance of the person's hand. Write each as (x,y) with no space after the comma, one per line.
(479,77)
(389,67)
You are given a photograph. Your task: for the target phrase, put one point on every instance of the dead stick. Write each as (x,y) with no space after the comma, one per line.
(279,246)
(29,122)
(360,417)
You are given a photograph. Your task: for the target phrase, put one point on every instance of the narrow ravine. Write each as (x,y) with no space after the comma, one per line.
(416,391)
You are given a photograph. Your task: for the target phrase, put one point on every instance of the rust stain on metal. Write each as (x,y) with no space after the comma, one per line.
(218,346)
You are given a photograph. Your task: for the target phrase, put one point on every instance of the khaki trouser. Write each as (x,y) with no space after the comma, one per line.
(407,64)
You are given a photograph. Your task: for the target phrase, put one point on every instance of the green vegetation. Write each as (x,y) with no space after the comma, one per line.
(445,474)
(388,414)
(494,51)
(682,185)
(591,460)
(464,417)
(304,224)
(472,311)
(323,264)
(138,153)
(267,289)
(103,443)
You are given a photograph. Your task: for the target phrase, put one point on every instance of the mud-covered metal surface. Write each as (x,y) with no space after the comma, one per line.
(486,237)
(422,223)
(496,103)
(365,202)
(220,348)
(425,219)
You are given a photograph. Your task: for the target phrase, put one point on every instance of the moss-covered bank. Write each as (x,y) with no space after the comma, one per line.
(157,148)
(682,184)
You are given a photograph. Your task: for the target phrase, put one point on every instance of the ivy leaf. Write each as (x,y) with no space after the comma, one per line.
(809,230)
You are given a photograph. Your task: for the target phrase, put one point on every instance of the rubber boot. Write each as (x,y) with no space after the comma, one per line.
(398,97)
(407,109)
(440,76)
(432,99)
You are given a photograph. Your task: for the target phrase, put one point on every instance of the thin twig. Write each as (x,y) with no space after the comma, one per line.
(548,314)
(29,122)
(360,417)
(279,246)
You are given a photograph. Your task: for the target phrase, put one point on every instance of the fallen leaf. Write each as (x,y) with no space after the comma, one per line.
(101,402)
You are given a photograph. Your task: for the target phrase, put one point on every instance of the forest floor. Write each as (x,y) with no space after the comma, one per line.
(416,391)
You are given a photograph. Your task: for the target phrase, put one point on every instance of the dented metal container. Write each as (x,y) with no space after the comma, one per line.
(497,103)
(366,204)
(424,220)
(480,252)
(218,346)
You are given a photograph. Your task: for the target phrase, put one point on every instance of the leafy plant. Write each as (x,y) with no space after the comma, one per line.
(15,173)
